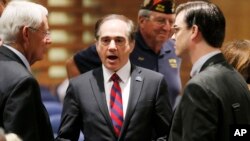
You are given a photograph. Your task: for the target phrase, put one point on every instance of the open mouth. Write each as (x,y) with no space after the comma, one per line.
(112,57)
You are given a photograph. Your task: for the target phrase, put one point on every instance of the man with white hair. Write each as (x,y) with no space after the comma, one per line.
(24,32)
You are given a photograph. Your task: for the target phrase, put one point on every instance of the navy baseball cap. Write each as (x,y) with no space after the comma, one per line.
(162,6)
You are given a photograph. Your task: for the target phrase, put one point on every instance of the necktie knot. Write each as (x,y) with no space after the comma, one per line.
(115,78)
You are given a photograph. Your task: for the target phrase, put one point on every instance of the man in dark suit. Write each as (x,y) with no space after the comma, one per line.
(216,96)
(153,48)
(24,31)
(90,104)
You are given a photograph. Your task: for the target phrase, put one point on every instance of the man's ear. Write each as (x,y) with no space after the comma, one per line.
(141,19)
(132,45)
(96,43)
(195,32)
(25,33)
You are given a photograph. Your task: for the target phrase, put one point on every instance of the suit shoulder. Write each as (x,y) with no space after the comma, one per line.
(215,72)
(220,75)
(83,77)
(13,74)
(13,69)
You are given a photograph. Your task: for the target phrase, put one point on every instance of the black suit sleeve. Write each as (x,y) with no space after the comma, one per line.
(163,111)
(198,115)
(70,121)
(25,114)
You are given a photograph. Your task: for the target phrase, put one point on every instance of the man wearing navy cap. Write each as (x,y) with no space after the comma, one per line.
(152,50)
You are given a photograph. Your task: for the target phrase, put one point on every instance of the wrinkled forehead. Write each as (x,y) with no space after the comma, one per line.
(114,28)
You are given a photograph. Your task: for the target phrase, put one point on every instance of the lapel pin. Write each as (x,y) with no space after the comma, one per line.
(138,78)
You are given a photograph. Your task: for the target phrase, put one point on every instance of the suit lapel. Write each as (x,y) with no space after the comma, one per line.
(135,91)
(97,83)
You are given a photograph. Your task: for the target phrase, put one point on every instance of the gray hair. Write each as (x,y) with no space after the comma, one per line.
(18,14)
(144,13)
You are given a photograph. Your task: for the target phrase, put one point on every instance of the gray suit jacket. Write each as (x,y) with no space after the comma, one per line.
(85,108)
(21,108)
(207,108)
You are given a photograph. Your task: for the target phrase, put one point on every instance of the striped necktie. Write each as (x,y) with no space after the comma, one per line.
(116,110)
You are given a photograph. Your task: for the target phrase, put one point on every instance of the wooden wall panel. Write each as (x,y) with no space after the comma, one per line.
(237,18)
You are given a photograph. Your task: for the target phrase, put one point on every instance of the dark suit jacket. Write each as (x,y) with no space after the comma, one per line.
(206,110)
(85,108)
(21,108)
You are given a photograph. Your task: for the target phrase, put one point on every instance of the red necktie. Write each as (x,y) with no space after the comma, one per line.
(116,110)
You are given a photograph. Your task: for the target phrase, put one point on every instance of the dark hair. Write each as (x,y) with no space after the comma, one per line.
(131,26)
(209,19)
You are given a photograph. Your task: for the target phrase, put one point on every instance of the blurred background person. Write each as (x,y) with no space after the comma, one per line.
(237,53)
(153,49)
(24,32)
(216,96)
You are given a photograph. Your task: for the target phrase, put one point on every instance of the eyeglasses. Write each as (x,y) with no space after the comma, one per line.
(119,41)
(45,33)
(161,21)
(175,29)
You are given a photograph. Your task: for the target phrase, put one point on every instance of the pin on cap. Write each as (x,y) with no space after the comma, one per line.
(163,6)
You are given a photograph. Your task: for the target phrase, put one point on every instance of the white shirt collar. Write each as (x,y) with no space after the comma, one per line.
(20,55)
(199,63)
(123,73)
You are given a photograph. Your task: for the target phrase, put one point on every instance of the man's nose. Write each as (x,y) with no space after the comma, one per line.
(48,40)
(112,44)
(173,37)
